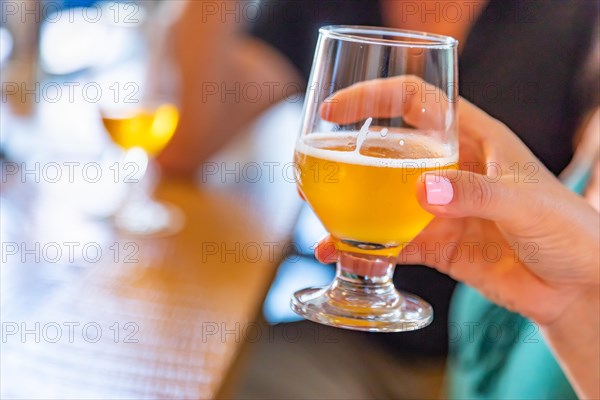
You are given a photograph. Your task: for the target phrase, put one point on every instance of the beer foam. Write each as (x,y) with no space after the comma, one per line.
(444,154)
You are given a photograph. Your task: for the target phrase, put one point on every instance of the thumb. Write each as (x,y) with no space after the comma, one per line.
(459,193)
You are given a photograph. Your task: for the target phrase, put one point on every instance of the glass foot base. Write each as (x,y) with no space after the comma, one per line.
(406,312)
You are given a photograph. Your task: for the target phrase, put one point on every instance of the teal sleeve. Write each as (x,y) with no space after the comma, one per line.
(497,354)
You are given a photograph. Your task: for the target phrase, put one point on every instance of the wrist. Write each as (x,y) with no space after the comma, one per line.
(584,309)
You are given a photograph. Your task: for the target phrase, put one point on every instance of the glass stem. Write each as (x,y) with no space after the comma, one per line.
(138,160)
(365,282)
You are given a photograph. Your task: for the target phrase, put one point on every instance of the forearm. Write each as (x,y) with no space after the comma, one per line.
(575,341)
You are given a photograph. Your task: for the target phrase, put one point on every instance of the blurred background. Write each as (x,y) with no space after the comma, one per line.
(150,227)
(94,271)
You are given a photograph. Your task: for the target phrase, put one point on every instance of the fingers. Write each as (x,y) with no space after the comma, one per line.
(326,250)
(459,193)
(419,103)
(482,138)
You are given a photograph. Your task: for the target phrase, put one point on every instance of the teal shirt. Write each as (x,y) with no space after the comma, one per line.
(498,354)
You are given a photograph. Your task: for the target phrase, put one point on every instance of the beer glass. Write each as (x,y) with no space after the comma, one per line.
(380,110)
(141,122)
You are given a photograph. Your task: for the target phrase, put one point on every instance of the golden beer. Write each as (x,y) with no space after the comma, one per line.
(148,129)
(368,195)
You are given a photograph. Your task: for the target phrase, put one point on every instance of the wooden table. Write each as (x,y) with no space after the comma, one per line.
(152,318)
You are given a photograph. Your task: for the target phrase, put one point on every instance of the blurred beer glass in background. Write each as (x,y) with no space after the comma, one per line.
(380,110)
(141,120)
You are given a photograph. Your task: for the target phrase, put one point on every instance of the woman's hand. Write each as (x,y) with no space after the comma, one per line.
(504,224)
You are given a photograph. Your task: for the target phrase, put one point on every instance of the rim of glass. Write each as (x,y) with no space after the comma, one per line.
(356,33)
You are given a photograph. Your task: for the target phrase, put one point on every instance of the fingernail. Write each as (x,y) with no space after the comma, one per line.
(327,253)
(439,190)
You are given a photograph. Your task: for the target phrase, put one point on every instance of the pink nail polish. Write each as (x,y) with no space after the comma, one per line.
(439,190)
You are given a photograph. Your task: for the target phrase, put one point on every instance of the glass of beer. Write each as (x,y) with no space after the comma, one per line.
(141,119)
(380,110)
